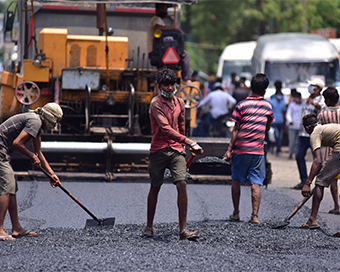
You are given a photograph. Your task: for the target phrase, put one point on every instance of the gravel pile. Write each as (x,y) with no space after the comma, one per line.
(212,159)
(223,246)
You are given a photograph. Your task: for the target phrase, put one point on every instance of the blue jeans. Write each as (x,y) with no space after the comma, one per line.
(203,129)
(278,128)
(303,143)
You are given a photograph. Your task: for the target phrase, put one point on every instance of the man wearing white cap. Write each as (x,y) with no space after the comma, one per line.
(313,104)
(15,132)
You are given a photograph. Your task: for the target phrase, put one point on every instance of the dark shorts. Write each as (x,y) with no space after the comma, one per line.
(8,184)
(329,171)
(248,167)
(168,158)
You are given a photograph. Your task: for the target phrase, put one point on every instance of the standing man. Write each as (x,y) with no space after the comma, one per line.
(15,132)
(157,22)
(313,104)
(279,110)
(252,117)
(320,135)
(167,116)
(293,120)
(329,116)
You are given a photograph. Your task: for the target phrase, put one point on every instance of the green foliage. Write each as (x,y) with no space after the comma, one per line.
(221,22)
(5,4)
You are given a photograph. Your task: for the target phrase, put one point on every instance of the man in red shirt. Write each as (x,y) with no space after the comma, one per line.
(167,116)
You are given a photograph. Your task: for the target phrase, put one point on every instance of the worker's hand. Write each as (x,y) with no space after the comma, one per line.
(228,155)
(306,191)
(35,161)
(55,181)
(197,149)
(309,101)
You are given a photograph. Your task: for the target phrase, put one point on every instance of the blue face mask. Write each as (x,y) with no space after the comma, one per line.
(311,89)
(167,95)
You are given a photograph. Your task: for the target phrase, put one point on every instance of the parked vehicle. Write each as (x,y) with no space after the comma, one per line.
(236,58)
(336,43)
(294,58)
(101,77)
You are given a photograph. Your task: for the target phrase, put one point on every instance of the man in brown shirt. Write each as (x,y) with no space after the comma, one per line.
(321,135)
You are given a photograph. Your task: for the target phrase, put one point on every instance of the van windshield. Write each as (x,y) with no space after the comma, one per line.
(292,73)
(240,68)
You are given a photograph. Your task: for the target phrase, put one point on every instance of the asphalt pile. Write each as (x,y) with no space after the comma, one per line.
(222,246)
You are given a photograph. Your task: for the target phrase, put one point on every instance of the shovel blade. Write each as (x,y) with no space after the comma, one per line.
(282,225)
(106,223)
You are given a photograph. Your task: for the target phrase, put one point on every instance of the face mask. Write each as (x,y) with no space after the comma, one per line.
(163,14)
(279,97)
(167,95)
(48,125)
(311,89)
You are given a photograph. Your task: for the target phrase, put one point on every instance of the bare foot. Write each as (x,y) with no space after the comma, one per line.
(6,237)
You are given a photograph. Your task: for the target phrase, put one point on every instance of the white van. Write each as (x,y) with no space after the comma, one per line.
(294,58)
(236,58)
(336,43)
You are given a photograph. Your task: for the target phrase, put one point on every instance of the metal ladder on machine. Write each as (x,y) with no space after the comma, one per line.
(131,118)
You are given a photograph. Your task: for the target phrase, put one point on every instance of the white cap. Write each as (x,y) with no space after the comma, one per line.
(317,82)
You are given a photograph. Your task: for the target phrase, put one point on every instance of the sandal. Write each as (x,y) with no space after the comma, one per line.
(254,219)
(148,232)
(235,216)
(188,235)
(334,211)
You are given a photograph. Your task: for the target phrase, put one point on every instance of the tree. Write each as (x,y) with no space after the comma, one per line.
(221,22)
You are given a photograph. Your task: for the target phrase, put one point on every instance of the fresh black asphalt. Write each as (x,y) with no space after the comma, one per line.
(64,244)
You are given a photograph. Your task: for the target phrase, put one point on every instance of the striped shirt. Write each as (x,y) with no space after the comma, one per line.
(253,114)
(329,116)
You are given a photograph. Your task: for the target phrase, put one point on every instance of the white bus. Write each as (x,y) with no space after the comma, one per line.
(236,58)
(294,58)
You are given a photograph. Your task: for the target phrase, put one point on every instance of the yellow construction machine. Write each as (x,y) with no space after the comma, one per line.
(103,82)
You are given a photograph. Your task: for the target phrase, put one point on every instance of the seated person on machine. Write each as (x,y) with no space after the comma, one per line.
(157,22)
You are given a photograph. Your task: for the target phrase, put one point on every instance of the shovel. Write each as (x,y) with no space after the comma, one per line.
(95,222)
(286,222)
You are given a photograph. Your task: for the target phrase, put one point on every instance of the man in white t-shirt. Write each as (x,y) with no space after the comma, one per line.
(157,22)
(220,105)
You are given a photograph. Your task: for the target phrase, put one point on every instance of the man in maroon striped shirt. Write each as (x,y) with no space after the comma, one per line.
(329,116)
(253,117)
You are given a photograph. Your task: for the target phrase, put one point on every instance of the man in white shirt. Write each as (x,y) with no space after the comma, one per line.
(220,103)
(313,104)
(293,120)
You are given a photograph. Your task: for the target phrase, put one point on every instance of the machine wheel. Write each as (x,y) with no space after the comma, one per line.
(191,97)
(27,92)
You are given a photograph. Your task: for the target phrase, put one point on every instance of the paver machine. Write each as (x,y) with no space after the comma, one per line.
(100,76)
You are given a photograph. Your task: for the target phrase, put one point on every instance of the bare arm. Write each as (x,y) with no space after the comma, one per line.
(19,144)
(234,134)
(161,27)
(306,191)
(43,162)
